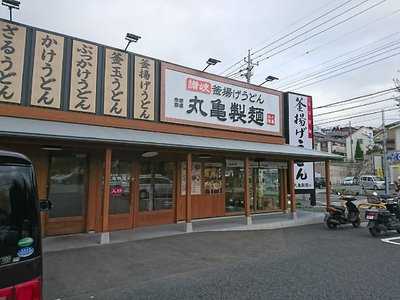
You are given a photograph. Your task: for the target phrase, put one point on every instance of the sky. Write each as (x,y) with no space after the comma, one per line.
(189,32)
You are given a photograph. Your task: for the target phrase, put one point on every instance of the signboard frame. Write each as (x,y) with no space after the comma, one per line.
(310,191)
(163,118)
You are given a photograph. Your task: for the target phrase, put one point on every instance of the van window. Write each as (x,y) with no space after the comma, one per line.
(19,227)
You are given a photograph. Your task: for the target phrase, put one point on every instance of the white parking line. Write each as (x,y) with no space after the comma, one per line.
(390,240)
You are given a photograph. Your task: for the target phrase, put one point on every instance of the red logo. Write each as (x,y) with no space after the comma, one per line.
(116,191)
(270,119)
(195,85)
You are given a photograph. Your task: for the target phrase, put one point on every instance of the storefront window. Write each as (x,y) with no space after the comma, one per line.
(156,186)
(264,187)
(213,178)
(67,185)
(120,186)
(234,186)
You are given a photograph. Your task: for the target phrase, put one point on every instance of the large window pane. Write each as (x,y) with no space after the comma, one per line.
(67,189)
(156,186)
(264,187)
(234,186)
(120,186)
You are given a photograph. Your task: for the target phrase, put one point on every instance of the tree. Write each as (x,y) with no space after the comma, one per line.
(359,154)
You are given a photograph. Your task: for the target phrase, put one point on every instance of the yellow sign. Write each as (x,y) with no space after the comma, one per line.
(47,70)
(144,89)
(12,49)
(83,77)
(116,83)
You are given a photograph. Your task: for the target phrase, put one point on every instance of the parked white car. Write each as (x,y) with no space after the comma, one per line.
(372,182)
(349,180)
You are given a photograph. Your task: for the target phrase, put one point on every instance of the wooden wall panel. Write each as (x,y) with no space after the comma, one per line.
(207,206)
(68,226)
(155,218)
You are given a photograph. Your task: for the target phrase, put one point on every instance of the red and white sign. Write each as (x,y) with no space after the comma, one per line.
(200,101)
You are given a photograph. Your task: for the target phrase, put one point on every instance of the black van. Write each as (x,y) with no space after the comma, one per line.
(20,237)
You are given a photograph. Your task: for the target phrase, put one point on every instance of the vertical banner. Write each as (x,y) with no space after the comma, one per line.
(47,70)
(196,178)
(300,134)
(116,83)
(144,89)
(83,77)
(12,50)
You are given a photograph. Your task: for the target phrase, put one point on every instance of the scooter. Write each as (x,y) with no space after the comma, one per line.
(337,215)
(383,219)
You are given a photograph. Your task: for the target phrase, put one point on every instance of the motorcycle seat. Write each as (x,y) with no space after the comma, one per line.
(338,207)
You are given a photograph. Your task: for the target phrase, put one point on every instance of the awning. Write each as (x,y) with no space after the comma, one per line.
(18,127)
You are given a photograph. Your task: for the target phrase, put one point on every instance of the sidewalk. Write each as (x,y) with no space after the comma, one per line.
(237,223)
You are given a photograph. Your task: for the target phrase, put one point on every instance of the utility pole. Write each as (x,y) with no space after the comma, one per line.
(249,68)
(351,142)
(385,164)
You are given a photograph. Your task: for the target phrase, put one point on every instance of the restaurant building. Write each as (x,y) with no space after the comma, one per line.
(121,140)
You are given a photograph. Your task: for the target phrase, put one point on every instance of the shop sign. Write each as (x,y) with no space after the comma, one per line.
(116,83)
(12,48)
(300,134)
(144,89)
(273,164)
(200,101)
(234,163)
(394,156)
(83,77)
(47,70)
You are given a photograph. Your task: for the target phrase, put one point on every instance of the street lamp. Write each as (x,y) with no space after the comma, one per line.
(269,78)
(11,4)
(130,37)
(211,62)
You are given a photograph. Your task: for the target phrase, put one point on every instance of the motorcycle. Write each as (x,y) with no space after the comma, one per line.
(385,218)
(337,215)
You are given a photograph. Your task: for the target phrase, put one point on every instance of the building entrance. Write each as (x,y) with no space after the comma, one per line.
(67,191)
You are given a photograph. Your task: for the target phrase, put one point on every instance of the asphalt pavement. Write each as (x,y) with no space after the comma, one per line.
(307,262)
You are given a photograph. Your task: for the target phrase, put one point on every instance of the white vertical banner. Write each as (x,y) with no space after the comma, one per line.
(301,135)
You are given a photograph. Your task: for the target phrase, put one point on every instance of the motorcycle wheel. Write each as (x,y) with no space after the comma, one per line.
(356,223)
(374,231)
(330,224)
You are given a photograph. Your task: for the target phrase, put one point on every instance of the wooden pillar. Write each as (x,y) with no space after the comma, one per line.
(285,190)
(93,197)
(189,227)
(291,187)
(328,183)
(247,191)
(105,237)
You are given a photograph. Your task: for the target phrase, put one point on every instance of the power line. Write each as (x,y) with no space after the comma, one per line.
(354,98)
(293,23)
(340,66)
(318,33)
(335,40)
(301,72)
(308,23)
(353,69)
(358,116)
(352,107)
(307,31)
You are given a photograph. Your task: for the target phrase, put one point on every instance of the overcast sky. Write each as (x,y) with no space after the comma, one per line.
(189,32)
